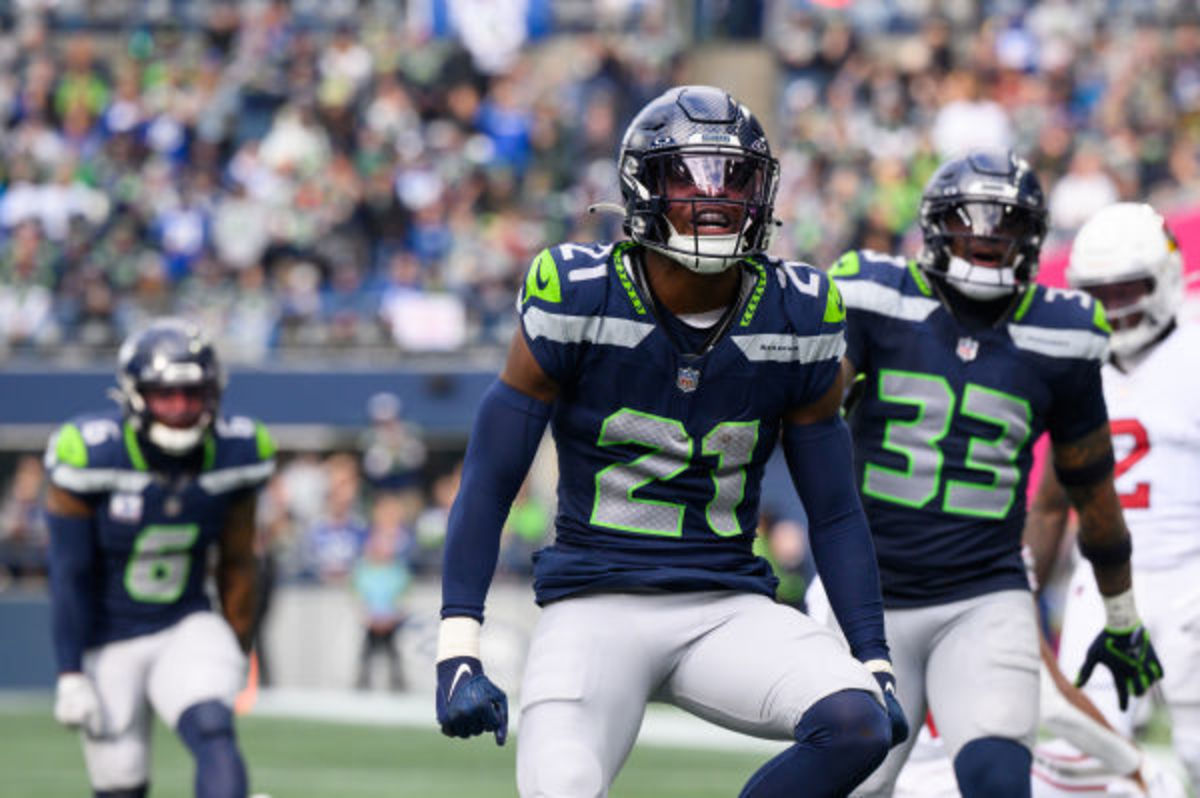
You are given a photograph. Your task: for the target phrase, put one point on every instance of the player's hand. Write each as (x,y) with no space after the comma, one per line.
(882,671)
(76,704)
(1131,658)
(467,701)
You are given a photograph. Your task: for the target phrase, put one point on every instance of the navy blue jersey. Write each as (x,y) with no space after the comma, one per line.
(151,530)
(661,442)
(944,429)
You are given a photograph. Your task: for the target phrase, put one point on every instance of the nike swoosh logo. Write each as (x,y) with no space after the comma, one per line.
(542,282)
(463,670)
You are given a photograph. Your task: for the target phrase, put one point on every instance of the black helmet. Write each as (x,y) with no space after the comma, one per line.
(703,139)
(983,216)
(170,353)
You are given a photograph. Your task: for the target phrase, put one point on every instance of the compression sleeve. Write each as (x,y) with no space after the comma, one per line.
(504,439)
(821,461)
(71,568)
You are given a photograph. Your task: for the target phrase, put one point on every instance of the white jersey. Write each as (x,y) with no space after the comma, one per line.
(1155,417)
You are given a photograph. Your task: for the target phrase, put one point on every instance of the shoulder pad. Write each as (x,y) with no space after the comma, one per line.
(887,285)
(808,294)
(245,455)
(1060,322)
(559,276)
(87,455)
(868,264)
(85,441)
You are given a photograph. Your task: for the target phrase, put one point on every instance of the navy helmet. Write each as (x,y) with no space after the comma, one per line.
(170,353)
(983,216)
(702,138)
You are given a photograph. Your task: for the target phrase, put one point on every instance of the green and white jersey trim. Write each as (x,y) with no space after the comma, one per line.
(1054,342)
(99,480)
(791,348)
(224,480)
(567,329)
(885,300)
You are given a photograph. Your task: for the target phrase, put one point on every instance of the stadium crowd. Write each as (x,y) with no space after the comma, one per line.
(346,175)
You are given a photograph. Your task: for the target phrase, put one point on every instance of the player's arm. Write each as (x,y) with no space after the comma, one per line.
(820,458)
(235,569)
(72,571)
(1046,523)
(1067,712)
(1084,467)
(508,428)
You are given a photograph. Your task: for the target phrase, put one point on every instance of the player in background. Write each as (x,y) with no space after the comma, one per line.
(1079,751)
(138,497)
(668,368)
(1126,257)
(965,361)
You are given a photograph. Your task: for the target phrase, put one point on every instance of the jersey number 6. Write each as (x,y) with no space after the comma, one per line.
(158,567)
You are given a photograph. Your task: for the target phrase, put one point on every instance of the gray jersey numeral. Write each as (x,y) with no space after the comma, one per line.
(671,449)
(997,456)
(158,567)
(918,441)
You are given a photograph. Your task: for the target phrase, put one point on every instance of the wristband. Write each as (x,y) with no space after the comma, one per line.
(458,636)
(1121,612)
(880,666)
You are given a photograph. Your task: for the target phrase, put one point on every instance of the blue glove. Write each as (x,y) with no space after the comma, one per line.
(467,701)
(1131,658)
(887,683)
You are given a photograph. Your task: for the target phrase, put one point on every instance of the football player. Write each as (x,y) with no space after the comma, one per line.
(965,361)
(1126,257)
(137,499)
(668,367)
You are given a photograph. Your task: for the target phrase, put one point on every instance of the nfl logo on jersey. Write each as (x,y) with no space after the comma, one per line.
(967,349)
(687,379)
(125,507)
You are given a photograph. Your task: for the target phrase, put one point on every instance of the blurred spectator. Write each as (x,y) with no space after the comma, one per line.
(381,577)
(391,173)
(782,542)
(394,452)
(526,530)
(334,543)
(23,533)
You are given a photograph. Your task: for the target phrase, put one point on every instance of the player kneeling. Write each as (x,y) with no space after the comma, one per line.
(136,500)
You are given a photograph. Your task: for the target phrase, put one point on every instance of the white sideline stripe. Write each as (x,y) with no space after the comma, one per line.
(663,726)
(884,300)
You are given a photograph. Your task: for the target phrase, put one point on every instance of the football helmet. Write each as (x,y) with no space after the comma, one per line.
(983,217)
(698,179)
(1127,258)
(170,354)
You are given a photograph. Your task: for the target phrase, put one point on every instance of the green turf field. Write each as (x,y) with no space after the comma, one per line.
(310,759)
